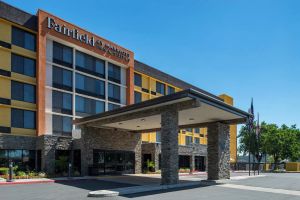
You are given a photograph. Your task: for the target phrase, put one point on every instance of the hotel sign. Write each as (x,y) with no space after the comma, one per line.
(88,39)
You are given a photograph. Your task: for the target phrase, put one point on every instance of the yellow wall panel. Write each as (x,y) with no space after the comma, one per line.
(145,97)
(22,105)
(23,131)
(153,85)
(145,82)
(23,52)
(5,86)
(23,78)
(4,116)
(5,31)
(5,59)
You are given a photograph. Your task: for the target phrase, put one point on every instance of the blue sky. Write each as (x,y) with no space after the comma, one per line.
(245,48)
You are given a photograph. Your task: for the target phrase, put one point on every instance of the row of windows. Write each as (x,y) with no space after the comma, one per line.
(62,125)
(160,87)
(23,39)
(62,79)
(63,55)
(62,103)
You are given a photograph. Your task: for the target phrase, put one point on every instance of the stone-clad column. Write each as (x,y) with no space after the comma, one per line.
(169,146)
(218,151)
(192,163)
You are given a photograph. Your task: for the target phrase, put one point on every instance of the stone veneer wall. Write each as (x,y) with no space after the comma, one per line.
(48,144)
(17,142)
(95,138)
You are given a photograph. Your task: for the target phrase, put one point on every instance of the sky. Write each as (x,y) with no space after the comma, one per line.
(244,48)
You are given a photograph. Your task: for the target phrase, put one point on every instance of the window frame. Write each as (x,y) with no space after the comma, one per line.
(19,39)
(22,120)
(21,69)
(22,91)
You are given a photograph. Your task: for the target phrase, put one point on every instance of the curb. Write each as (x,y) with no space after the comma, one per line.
(26,182)
(138,189)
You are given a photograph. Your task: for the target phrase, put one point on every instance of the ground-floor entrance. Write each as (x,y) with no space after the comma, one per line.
(112,162)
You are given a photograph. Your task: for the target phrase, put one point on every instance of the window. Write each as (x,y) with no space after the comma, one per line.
(22,92)
(23,39)
(86,106)
(62,102)
(197,140)
(62,55)
(23,65)
(22,118)
(62,78)
(114,93)
(114,73)
(158,136)
(90,86)
(24,159)
(90,64)
(61,125)
(160,88)
(137,97)
(112,106)
(197,130)
(201,135)
(189,129)
(171,90)
(188,140)
(137,80)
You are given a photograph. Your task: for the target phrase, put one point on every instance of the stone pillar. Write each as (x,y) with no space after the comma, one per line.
(156,156)
(218,151)
(192,163)
(169,146)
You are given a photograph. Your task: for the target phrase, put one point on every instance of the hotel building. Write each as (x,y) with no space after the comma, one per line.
(53,72)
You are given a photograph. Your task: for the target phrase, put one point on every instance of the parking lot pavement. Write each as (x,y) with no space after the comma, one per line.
(64,190)
(253,188)
(286,181)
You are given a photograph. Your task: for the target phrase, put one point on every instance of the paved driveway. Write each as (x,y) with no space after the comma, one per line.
(265,188)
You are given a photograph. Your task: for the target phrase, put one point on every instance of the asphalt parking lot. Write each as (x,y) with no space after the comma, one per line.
(265,187)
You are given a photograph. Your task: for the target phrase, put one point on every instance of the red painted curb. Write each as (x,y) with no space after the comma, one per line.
(26,182)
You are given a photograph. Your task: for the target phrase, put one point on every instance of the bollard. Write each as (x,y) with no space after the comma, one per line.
(10,173)
(69,170)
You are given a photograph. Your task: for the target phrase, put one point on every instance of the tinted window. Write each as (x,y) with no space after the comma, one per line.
(86,106)
(114,93)
(160,88)
(90,64)
(112,106)
(188,140)
(90,86)
(158,136)
(197,130)
(22,92)
(62,54)
(23,39)
(197,140)
(61,102)
(137,97)
(62,78)
(137,80)
(171,90)
(61,125)
(23,65)
(22,118)
(114,73)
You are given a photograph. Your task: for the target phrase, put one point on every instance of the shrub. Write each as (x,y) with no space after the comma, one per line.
(3,171)
(20,173)
(42,174)
(32,174)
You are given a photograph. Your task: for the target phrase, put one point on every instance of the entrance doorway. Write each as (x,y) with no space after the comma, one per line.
(112,162)
(200,163)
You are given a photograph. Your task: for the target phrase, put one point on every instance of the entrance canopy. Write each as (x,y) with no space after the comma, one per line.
(195,110)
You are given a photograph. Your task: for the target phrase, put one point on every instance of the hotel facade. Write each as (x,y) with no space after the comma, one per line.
(53,72)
